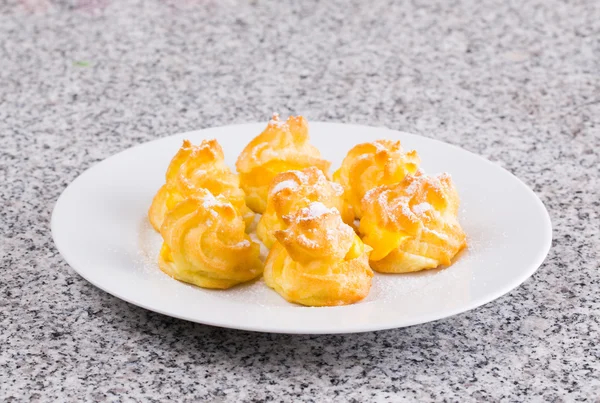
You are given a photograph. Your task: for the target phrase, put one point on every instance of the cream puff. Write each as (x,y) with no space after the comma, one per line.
(205,243)
(412,225)
(318,260)
(292,190)
(369,165)
(193,168)
(282,146)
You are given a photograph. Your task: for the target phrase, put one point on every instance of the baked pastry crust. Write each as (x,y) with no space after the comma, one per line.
(369,165)
(292,190)
(412,225)
(193,168)
(205,243)
(318,260)
(282,146)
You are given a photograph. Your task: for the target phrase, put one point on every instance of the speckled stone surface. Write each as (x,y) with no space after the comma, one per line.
(516,82)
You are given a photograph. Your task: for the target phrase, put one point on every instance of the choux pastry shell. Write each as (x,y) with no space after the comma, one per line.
(193,168)
(282,146)
(369,165)
(205,243)
(412,225)
(292,190)
(319,260)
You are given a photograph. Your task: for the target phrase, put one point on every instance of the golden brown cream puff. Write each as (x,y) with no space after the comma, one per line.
(292,190)
(318,260)
(205,243)
(412,225)
(282,146)
(369,165)
(193,168)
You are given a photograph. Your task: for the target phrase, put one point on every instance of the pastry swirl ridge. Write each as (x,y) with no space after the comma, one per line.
(205,243)
(368,165)
(292,190)
(412,225)
(318,260)
(282,146)
(193,168)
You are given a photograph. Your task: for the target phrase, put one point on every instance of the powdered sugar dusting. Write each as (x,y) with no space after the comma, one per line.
(316,209)
(287,184)
(369,195)
(209,201)
(413,187)
(337,188)
(380,146)
(275,120)
(243,244)
(301,175)
(306,241)
(421,208)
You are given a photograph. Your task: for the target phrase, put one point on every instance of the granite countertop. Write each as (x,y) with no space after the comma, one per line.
(84,79)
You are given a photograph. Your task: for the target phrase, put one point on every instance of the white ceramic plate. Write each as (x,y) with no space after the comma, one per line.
(99,225)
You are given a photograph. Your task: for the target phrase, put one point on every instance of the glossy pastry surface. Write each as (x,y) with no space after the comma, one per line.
(292,190)
(318,260)
(369,165)
(205,243)
(193,168)
(282,146)
(412,225)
